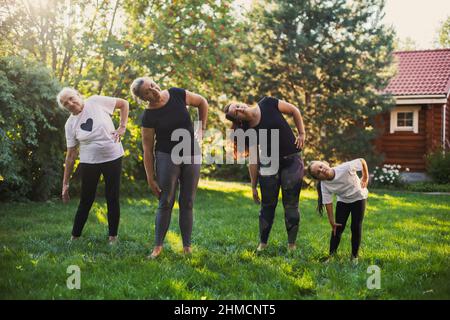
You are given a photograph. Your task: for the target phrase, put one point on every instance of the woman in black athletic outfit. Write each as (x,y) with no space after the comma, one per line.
(268,115)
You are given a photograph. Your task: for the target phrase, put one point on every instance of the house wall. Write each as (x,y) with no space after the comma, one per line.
(409,149)
(447,126)
(434,127)
(404,148)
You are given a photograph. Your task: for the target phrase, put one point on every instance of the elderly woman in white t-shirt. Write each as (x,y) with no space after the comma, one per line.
(90,128)
(351,192)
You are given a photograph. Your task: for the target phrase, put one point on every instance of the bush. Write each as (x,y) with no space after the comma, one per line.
(31,131)
(227,172)
(427,187)
(438,166)
(388,175)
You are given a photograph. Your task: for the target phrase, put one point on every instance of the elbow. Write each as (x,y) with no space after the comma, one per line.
(71,157)
(205,103)
(125,105)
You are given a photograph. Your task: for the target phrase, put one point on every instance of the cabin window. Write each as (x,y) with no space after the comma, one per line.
(405,118)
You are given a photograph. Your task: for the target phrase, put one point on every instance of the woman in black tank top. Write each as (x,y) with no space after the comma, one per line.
(165,115)
(269,115)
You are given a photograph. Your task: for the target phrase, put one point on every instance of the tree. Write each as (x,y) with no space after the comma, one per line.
(31,144)
(63,35)
(330,58)
(444,34)
(183,43)
(100,46)
(407,44)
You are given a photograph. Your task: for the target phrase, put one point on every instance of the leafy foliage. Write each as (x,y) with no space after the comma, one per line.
(31,144)
(438,166)
(444,34)
(331,59)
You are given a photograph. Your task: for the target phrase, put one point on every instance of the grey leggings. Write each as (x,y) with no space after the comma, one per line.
(168,176)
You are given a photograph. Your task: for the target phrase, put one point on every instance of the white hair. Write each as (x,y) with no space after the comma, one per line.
(135,86)
(63,92)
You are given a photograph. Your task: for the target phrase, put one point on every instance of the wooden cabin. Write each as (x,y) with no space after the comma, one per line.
(420,121)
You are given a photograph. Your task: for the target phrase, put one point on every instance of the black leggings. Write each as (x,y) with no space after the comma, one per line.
(90,174)
(343,211)
(289,178)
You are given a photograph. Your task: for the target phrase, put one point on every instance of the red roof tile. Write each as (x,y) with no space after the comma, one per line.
(425,72)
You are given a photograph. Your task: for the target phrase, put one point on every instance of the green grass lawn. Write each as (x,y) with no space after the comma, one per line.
(407,235)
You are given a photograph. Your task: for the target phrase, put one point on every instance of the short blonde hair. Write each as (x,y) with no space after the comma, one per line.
(136,86)
(63,92)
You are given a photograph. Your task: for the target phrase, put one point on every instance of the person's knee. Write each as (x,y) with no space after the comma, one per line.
(339,231)
(291,205)
(266,218)
(112,199)
(269,203)
(292,217)
(186,204)
(291,196)
(86,202)
(356,229)
(112,193)
(164,204)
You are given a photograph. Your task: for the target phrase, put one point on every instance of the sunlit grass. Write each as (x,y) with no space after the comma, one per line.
(406,234)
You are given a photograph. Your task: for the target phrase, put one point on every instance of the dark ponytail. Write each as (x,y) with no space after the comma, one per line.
(319,198)
(319,191)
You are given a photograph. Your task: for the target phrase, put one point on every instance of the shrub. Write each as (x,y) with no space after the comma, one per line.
(438,166)
(427,187)
(32,141)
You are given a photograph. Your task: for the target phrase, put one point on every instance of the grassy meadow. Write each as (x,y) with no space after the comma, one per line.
(407,235)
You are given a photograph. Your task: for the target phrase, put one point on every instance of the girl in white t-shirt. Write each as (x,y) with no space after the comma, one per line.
(90,129)
(351,192)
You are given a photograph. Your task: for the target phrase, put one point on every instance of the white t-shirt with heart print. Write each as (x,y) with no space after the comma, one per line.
(92,129)
(346,184)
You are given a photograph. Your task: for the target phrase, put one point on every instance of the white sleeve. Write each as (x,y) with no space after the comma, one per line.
(107,103)
(327,196)
(71,139)
(355,165)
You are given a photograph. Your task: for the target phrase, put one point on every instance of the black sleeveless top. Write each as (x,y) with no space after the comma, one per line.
(272,118)
(165,120)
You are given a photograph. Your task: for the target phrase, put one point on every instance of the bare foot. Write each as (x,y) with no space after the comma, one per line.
(156,252)
(326,259)
(112,240)
(261,247)
(72,238)
(187,250)
(292,246)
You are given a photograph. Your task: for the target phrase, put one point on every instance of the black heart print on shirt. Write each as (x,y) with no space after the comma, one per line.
(87,126)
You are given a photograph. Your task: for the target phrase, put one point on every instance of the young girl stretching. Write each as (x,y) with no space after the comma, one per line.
(351,192)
